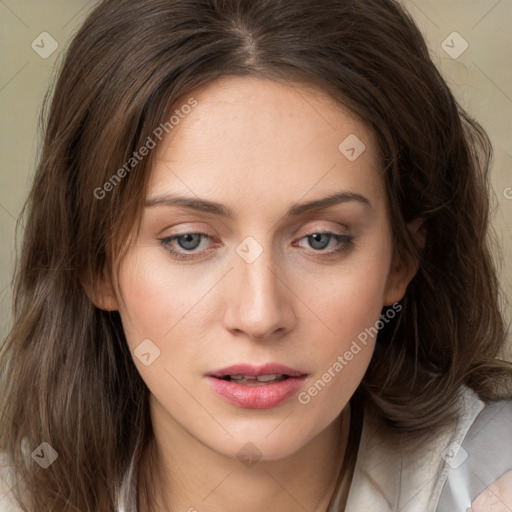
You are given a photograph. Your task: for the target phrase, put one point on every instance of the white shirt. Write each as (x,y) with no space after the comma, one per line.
(447,472)
(465,468)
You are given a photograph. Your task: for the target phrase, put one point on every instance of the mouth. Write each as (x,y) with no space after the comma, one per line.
(253,387)
(249,375)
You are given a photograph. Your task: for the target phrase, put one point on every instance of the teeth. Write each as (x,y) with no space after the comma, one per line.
(261,378)
(266,378)
(246,379)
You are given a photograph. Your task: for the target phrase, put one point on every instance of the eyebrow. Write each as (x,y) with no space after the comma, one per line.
(204,205)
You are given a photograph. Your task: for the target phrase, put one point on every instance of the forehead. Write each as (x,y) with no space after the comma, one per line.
(266,141)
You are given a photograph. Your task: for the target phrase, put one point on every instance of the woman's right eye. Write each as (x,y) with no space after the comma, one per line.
(187,242)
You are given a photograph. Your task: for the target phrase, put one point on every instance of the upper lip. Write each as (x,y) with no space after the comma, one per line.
(255,371)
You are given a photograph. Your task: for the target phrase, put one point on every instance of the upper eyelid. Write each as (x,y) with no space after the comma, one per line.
(309,232)
(314,229)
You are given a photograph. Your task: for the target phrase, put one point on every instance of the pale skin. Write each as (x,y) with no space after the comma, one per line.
(257,147)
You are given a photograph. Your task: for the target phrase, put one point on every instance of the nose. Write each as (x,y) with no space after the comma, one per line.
(260,302)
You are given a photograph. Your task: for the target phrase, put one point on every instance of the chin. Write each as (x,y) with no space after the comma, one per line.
(256,444)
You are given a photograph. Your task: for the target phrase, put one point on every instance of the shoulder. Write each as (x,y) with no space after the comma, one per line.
(7,501)
(480,468)
(397,472)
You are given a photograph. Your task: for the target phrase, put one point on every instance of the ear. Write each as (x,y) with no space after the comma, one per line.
(100,291)
(401,273)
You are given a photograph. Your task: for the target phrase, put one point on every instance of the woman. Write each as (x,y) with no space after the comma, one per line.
(255,272)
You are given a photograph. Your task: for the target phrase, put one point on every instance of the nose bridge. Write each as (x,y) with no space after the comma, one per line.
(259,305)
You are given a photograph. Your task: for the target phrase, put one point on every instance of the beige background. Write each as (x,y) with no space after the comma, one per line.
(481,78)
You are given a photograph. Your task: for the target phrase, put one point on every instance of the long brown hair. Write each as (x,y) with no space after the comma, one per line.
(68,378)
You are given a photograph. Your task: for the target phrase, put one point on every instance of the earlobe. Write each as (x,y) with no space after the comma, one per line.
(402,272)
(100,292)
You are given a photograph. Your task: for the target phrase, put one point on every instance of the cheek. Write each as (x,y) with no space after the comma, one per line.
(156,296)
(160,313)
(354,299)
(349,307)
(350,298)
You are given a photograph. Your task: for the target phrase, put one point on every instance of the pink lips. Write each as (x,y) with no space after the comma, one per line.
(260,396)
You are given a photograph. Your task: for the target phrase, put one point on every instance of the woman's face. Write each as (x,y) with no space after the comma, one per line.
(259,293)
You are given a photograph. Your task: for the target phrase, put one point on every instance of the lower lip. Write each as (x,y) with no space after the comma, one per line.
(261,396)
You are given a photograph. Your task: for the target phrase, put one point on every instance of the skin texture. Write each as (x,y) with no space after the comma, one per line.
(496,498)
(257,147)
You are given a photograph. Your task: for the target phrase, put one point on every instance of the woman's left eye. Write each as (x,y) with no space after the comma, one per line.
(319,241)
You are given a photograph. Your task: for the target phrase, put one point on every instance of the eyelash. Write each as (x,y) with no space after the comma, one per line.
(346,242)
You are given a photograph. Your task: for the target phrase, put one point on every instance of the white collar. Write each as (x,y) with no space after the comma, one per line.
(395,472)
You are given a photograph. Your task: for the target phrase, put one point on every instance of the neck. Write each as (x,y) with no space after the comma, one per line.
(305,480)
